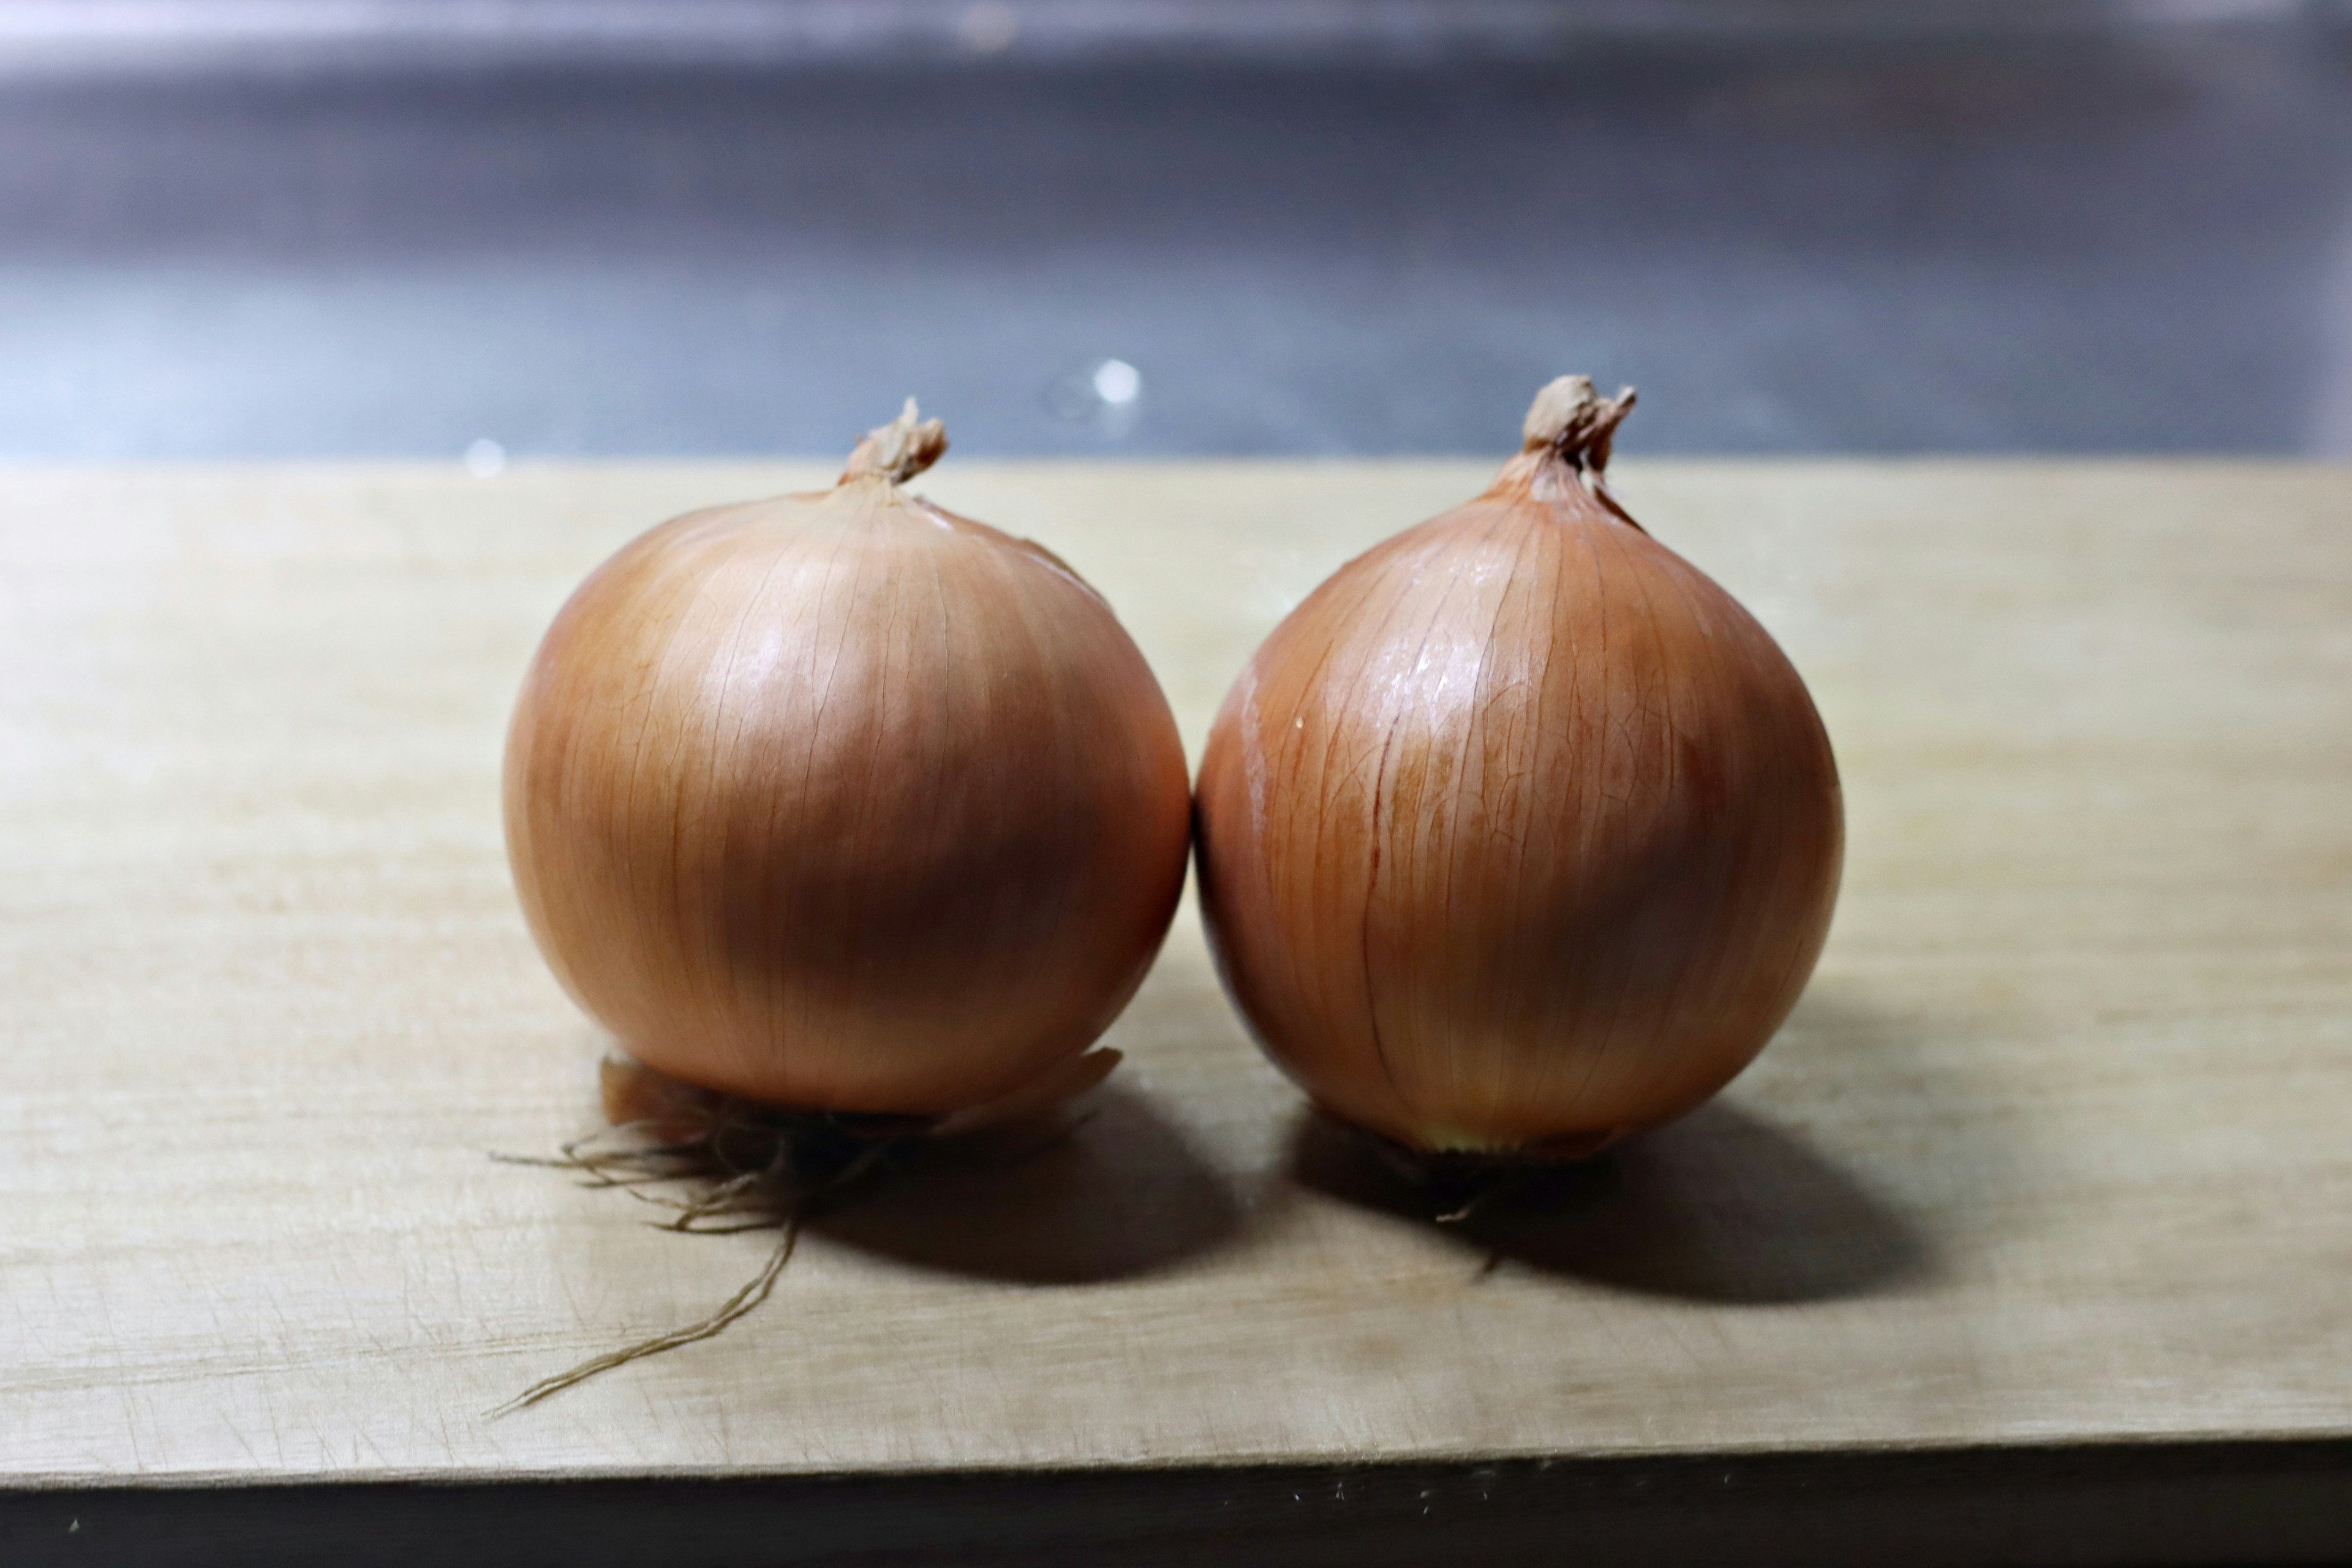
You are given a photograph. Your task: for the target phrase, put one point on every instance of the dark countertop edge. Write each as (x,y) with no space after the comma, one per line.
(2167,1500)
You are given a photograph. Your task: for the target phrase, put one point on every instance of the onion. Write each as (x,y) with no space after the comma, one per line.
(843,802)
(1519,834)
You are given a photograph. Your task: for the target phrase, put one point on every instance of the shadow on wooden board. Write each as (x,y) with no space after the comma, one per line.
(1721,1207)
(1121,1194)
(2221,1503)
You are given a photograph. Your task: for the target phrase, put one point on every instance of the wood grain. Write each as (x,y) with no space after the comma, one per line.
(2054,1151)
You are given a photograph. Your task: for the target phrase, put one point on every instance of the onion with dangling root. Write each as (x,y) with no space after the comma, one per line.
(1519,834)
(851,818)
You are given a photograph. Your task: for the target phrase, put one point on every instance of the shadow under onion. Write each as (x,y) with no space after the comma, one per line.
(1121,1192)
(1720,1207)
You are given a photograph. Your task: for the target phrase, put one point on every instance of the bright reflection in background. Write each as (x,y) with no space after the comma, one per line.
(989,28)
(1118,382)
(1105,396)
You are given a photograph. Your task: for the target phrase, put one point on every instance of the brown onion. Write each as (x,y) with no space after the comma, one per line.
(1519,834)
(842,802)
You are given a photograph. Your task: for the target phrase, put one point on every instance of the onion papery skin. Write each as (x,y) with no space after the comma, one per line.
(1519,834)
(839,801)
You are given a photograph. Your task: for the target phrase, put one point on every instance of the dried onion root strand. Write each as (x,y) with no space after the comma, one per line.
(1519,834)
(853,820)
(746,1166)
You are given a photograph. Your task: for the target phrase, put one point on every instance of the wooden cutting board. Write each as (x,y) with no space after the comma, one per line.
(2044,1193)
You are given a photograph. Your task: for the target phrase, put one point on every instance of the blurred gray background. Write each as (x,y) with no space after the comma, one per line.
(297,228)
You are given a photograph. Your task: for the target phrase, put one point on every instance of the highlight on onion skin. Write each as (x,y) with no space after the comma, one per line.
(841,802)
(1519,834)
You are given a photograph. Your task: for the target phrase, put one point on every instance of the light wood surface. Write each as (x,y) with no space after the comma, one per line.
(2057,1149)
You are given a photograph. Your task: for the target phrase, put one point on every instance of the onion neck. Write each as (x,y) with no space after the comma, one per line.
(1564,446)
(899,450)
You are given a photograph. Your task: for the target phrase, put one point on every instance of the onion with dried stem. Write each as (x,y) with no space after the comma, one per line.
(1519,834)
(850,817)
(844,802)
